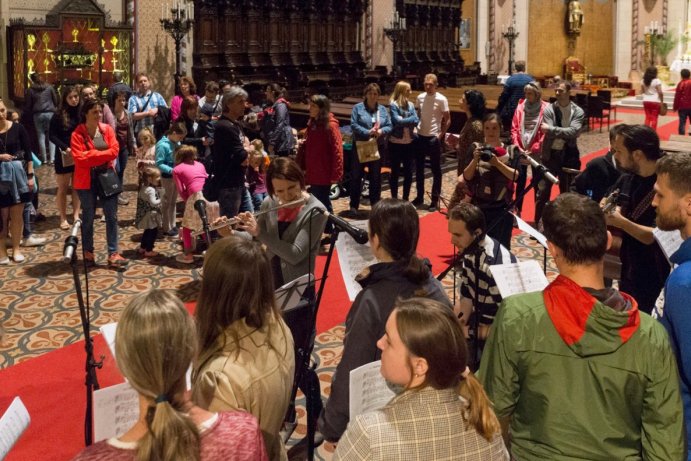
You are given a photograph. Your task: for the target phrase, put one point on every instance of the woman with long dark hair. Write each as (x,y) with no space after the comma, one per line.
(170,425)
(62,125)
(94,145)
(320,154)
(246,359)
(651,88)
(423,350)
(472,103)
(404,119)
(186,88)
(394,229)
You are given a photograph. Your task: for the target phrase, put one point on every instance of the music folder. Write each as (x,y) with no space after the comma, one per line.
(289,295)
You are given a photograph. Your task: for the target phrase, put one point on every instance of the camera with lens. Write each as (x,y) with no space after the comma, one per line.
(487,152)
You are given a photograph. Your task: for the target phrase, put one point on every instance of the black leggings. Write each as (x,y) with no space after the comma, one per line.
(149,238)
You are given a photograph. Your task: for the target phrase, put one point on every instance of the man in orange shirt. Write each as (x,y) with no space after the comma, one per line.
(682,100)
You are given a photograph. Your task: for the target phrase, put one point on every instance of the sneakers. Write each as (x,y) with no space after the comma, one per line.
(18,257)
(89,259)
(122,200)
(185,259)
(433,207)
(33,241)
(117,261)
(146,254)
(418,202)
(174,232)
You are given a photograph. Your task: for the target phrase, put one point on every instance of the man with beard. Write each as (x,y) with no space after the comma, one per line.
(673,203)
(644,267)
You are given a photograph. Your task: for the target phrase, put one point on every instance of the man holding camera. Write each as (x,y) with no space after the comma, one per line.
(562,123)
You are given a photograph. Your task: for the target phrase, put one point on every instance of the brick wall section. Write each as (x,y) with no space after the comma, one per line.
(548,42)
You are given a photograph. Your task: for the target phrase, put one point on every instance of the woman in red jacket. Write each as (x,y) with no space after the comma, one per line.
(321,153)
(94,144)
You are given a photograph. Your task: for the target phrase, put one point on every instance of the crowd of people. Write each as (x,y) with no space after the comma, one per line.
(593,343)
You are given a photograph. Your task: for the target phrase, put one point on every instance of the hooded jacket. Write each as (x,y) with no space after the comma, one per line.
(321,155)
(382,284)
(583,380)
(276,130)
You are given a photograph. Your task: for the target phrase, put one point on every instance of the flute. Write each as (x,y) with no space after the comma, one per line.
(229,222)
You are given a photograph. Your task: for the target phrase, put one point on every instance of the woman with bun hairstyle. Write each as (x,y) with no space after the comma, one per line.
(394,229)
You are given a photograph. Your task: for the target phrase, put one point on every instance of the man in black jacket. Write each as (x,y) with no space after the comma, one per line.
(228,152)
(600,174)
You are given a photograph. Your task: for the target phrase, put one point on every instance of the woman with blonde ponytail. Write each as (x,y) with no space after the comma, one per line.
(394,229)
(442,413)
(154,346)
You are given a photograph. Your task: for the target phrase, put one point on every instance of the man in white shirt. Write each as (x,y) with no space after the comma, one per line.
(435,119)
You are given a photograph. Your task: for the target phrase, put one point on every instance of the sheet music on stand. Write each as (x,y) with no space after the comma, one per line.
(289,295)
(517,278)
(530,230)
(353,257)
(13,423)
(669,241)
(116,409)
(368,389)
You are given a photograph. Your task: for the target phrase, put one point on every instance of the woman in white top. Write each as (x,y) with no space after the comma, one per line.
(652,96)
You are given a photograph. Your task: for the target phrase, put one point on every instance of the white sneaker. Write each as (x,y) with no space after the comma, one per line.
(33,241)
(122,200)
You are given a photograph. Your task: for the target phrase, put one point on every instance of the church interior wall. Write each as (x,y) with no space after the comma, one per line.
(548,39)
(469,11)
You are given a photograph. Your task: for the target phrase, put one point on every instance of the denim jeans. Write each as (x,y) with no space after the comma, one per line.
(42,125)
(401,154)
(229,200)
(122,164)
(321,193)
(428,146)
(258,198)
(246,203)
(357,171)
(683,115)
(110,208)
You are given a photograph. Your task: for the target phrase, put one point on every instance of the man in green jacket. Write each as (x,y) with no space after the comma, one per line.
(576,371)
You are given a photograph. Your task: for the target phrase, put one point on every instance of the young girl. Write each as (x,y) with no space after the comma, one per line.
(189,176)
(256,173)
(146,152)
(148,216)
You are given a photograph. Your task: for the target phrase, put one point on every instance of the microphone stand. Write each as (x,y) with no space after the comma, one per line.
(91,364)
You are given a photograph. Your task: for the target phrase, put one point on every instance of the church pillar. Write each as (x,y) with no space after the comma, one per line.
(521,11)
(482,44)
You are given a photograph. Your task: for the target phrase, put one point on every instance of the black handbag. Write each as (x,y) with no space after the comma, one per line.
(107,182)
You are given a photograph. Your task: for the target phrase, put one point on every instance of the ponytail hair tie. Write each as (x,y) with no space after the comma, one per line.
(466,373)
(161,398)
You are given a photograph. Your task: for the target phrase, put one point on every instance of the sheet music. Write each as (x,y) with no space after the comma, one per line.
(516,278)
(368,389)
(12,425)
(669,241)
(530,230)
(116,409)
(289,295)
(108,332)
(353,258)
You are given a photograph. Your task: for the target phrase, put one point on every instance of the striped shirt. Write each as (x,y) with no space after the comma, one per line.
(139,103)
(488,293)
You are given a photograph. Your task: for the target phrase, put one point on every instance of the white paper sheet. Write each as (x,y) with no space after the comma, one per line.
(116,409)
(530,230)
(516,278)
(108,332)
(288,296)
(353,258)
(368,389)
(669,241)
(12,425)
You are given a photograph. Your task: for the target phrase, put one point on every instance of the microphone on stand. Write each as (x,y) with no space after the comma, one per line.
(71,242)
(359,235)
(200,206)
(537,166)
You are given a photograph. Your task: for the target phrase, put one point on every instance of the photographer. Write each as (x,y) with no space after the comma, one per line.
(489,181)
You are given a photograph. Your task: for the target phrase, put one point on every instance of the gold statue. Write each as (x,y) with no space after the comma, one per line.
(114,41)
(46,63)
(575,17)
(75,35)
(30,64)
(31,40)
